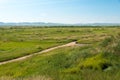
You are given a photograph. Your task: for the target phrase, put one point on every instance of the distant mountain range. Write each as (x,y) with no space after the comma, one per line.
(56,24)
(30,24)
(99,24)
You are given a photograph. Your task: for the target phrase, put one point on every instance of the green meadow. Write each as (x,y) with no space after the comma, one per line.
(97,59)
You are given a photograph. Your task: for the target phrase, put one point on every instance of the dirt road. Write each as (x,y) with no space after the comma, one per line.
(44,51)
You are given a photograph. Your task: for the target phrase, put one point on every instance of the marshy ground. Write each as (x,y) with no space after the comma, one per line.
(96,56)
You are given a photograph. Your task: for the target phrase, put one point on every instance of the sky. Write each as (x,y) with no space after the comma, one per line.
(60,11)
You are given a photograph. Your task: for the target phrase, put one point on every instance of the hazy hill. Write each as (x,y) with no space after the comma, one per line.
(56,24)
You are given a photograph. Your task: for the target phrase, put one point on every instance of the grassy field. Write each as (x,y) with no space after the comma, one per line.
(98,60)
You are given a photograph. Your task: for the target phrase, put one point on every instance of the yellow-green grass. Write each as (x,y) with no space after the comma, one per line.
(63,64)
(70,63)
(11,50)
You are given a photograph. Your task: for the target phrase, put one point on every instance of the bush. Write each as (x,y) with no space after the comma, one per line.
(106,42)
(117,48)
(111,44)
(97,62)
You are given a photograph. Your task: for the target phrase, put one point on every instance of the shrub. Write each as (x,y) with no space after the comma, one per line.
(96,62)
(111,44)
(106,42)
(117,48)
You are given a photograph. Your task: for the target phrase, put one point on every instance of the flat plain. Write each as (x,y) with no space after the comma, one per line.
(97,59)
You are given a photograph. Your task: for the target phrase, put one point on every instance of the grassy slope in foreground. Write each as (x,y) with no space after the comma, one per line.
(70,63)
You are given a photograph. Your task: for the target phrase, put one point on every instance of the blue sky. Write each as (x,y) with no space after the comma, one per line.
(60,11)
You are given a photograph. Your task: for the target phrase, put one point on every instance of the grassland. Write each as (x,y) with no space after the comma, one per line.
(98,60)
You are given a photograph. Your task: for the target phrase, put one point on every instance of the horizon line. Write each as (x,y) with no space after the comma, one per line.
(60,22)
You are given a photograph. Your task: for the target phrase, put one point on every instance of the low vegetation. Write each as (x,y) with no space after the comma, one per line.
(98,60)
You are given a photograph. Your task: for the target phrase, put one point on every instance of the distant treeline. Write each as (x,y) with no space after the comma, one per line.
(58,27)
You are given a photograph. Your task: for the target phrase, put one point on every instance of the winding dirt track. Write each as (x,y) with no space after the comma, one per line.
(44,51)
